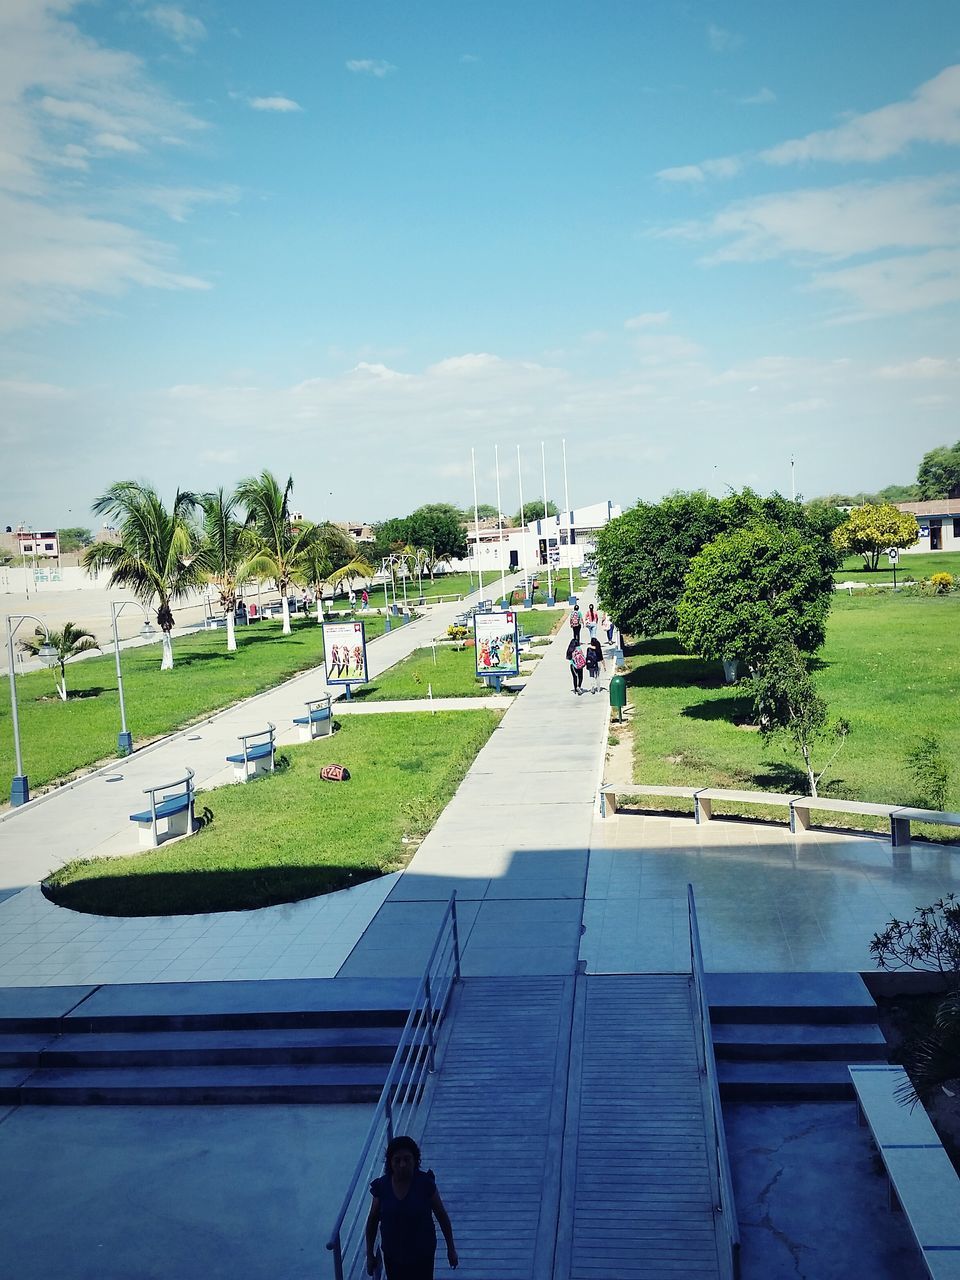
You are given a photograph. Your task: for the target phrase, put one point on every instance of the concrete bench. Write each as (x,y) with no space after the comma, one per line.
(318,722)
(256,755)
(608,797)
(901,819)
(174,809)
(922,1179)
(800,810)
(703,800)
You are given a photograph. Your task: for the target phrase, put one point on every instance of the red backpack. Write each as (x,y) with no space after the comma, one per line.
(579,661)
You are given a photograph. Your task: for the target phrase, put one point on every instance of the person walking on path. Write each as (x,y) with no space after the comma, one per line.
(592,619)
(576,622)
(365,597)
(607,624)
(594,661)
(577,663)
(405,1203)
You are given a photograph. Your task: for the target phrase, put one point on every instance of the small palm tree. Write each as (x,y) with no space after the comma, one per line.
(68,643)
(158,554)
(223,553)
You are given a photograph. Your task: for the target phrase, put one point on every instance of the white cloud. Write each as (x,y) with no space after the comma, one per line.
(68,102)
(646,319)
(179,203)
(762,98)
(923,367)
(469,57)
(180,26)
(894,286)
(931,115)
(721,40)
(835,222)
(275,103)
(370,67)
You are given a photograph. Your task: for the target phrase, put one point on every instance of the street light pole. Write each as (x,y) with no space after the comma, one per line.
(20,786)
(125,737)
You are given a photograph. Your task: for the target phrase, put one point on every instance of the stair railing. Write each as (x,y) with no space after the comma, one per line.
(716,1134)
(396,1111)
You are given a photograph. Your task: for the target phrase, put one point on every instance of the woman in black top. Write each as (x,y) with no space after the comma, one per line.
(405,1202)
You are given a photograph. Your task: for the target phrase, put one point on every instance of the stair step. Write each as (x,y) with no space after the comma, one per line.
(210,1006)
(771,1041)
(10,1080)
(202,1085)
(37,1009)
(784,1081)
(23,1048)
(289,1046)
(789,997)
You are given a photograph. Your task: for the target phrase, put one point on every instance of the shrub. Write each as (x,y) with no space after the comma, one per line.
(457,633)
(928,766)
(929,942)
(941,583)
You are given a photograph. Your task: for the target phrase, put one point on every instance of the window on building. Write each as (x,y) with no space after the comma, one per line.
(956,526)
(48,546)
(28,546)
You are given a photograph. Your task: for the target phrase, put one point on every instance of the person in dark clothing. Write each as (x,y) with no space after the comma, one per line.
(576,622)
(405,1203)
(577,663)
(594,657)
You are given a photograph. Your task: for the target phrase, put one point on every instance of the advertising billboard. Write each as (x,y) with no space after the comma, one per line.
(345,652)
(497,651)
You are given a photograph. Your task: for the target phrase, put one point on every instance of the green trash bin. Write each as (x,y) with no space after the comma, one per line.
(618,695)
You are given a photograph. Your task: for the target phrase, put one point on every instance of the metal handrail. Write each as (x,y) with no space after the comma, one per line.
(268,734)
(726,1207)
(414,1061)
(185,781)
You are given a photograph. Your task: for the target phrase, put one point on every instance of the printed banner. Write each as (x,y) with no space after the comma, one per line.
(345,652)
(497,649)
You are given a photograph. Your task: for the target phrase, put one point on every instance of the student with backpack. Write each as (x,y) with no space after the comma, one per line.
(592,619)
(576,622)
(594,661)
(577,663)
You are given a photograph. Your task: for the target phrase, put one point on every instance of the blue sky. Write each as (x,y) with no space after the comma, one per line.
(349,241)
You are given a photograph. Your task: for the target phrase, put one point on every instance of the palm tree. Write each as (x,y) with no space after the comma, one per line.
(68,643)
(274,547)
(223,553)
(157,556)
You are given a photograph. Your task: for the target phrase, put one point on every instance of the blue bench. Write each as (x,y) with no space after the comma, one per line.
(174,809)
(256,755)
(318,722)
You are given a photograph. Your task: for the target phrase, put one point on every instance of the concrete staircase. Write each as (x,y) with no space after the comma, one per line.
(315,1040)
(788,1037)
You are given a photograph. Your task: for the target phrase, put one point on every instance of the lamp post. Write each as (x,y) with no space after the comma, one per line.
(125,737)
(20,786)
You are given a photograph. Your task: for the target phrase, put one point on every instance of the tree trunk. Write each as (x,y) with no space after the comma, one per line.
(811,776)
(62,685)
(167,663)
(231,630)
(285,603)
(320,606)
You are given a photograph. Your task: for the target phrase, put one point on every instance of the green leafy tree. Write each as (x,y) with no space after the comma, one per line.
(749,590)
(643,556)
(788,706)
(485,510)
(223,553)
(438,529)
(869,530)
(69,642)
(533,510)
(939,473)
(157,556)
(76,538)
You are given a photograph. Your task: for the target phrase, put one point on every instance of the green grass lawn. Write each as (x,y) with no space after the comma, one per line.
(290,835)
(452,675)
(891,666)
(541,622)
(58,738)
(919,565)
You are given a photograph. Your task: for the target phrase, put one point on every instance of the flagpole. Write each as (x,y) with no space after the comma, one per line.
(543,465)
(476,522)
(566,498)
(503,578)
(527,602)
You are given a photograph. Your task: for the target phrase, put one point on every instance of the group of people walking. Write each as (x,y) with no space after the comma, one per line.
(589,658)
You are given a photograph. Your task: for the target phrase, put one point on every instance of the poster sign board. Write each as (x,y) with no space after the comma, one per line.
(345,653)
(497,650)
(893,555)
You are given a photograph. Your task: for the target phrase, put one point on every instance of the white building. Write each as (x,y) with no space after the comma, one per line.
(558,541)
(939,523)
